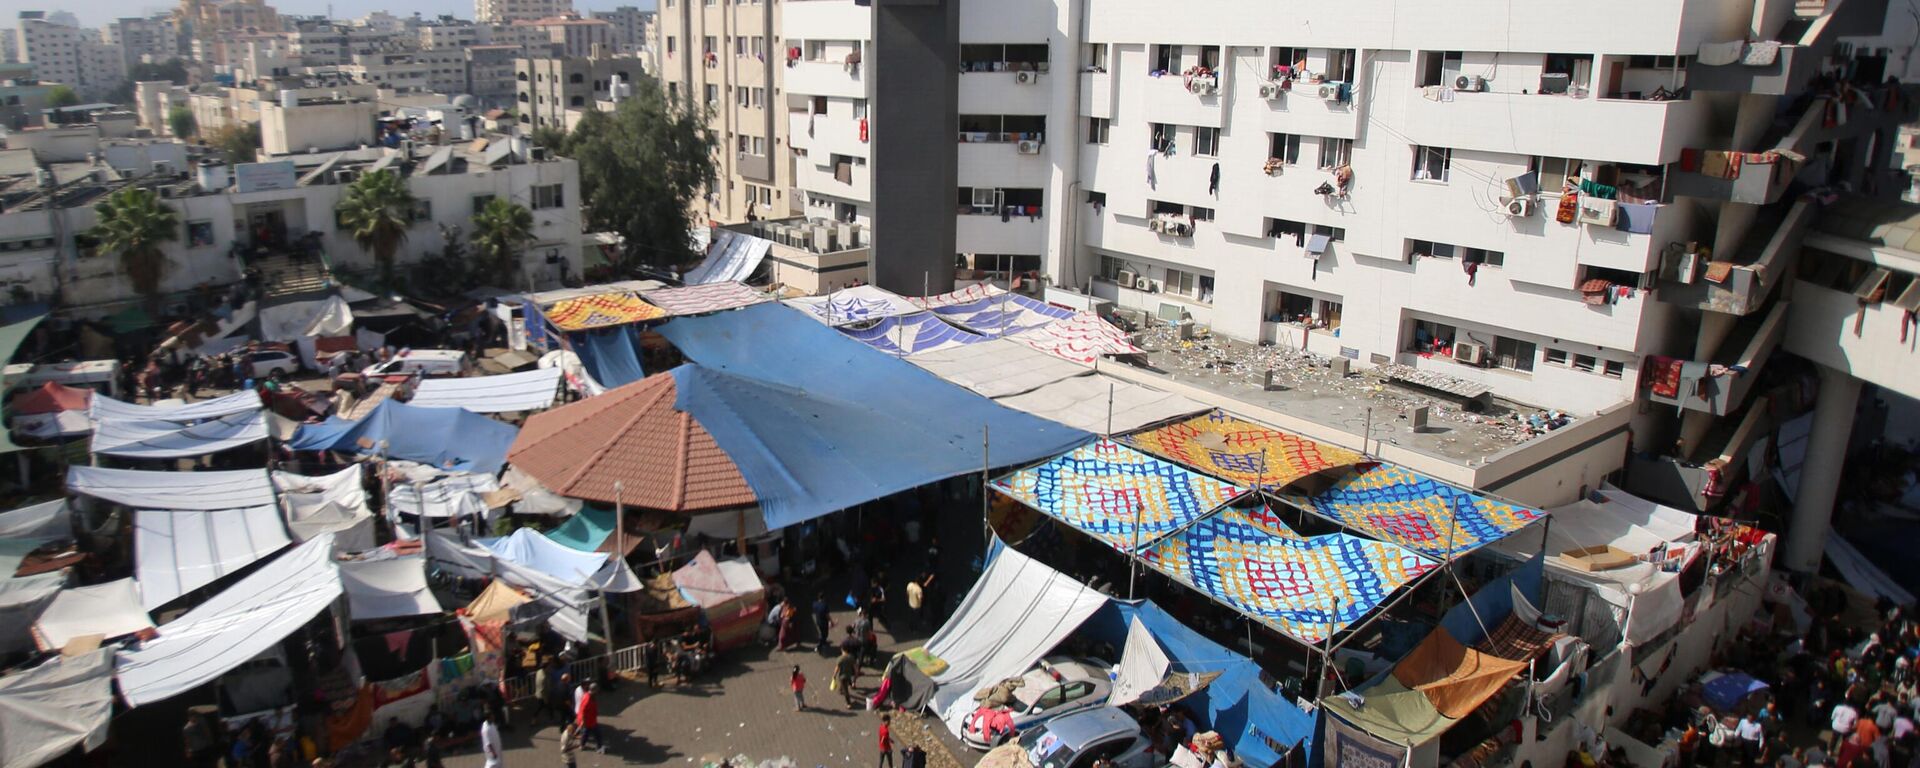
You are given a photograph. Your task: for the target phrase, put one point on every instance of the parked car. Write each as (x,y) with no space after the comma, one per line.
(426,362)
(267,363)
(1053,687)
(1078,740)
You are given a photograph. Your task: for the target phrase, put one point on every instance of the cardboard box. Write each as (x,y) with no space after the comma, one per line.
(1601,558)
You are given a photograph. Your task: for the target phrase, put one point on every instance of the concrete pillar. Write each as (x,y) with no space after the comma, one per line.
(1820,474)
(1065,136)
(1714,328)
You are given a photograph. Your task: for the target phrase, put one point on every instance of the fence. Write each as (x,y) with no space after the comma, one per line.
(628,659)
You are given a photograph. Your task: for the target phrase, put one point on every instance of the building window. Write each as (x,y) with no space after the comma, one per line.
(1198,213)
(1335,234)
(480,203)
(576,78)
(1583,363)
(1096,57)
(1614,369)
(548,196)
(1555,356)
(577,101)
(1339,64)
(1166,58)
(1419,248)
(1335,153)
(199,233)
(1283,148)
(1485,257)
(422,211)
(1438,68)
(1206,141)
(713,94)
(1097,128)
(1429,336)
(670,45)
(1555,172)
(1513,354)
(1432,163)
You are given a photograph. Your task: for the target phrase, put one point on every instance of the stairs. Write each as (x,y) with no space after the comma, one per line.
(283,276)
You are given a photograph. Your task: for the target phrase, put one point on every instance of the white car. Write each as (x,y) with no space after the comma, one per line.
(1078,741)
(426,362)
(1055,686)
(267,363)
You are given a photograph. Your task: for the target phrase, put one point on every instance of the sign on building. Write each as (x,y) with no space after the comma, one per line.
(263,177)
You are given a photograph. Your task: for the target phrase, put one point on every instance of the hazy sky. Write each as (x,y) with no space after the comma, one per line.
(94,13)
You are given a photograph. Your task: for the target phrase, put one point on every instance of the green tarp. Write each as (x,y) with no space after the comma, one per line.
(586,530)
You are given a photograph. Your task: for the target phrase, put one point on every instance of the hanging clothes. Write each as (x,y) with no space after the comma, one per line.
(1153,182)
(1213,181)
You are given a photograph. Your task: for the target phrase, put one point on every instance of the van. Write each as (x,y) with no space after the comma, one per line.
(97,375)
(425,362)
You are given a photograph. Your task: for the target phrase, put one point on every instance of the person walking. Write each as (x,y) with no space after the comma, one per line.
(916,599)
(822,623)
(886,740)
(789,616)
(843,671)
(863,632)
(490,747)
(542,687)
(569,746)
(798,682)
(588,718)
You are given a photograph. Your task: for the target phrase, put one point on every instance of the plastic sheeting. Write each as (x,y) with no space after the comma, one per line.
(305,319)
(457,495)
(1241,451)
(611,356)
(238,402)
(108,610)
(592,570)
(382,589)
(176,552)
(1396,504)
(334,503)
(991,311)
(818,422)
(997,368)
(565,602)
(1142,665)
(241,622)
(170,440)
(525,391)
(1082,338)
(731,256)
(912,334)
(1455,678)
(702,299)
(1116,494)
(231,489)
(21,601)
(603,310)
(587,530)
(1101,405)
(450,439)
(46,521)
(855,305)
(50,709)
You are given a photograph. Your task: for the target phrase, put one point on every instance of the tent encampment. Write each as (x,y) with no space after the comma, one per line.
(384,589)
(178,551)
(504,393)
(334,503)
(107,610)
(228,489)
(445,438)
(52,708)
(728,592)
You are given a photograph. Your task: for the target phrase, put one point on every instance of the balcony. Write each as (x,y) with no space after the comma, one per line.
(1747,277)
(826,78)
(1096,93)
(1739,361)
(1017,230)
(1635,131)
(1169,101)
(1706,473)
(1836,329)
(1010,91)
(1803,43)
(1002,164)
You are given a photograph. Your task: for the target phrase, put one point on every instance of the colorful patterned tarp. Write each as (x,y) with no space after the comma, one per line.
(1396,504)
(850,306)
(1306,587)
(701,299)
(1082,338)
(1241,451)
(971,293)
(912,334)
(991,311)
(1103,487)
(601,311)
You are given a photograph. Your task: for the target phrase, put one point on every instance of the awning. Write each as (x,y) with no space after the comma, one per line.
(997,368)
(45,521)
(1396,504)
(334,503)
(1241,451)
(1455,678)
(1082,338)
(173,440)
(452,439)
(107,610)
(1101,405)
(565,601)
(234,626)
(1120,496)
(777,390)
(104,407)
(707,582)
(855,305)
(505,393)
(176,552)
(601,311)
(591,570)
(52,708)
(382,589)
(207,490)
(732,256)
(991,311)
(457,495)
(52,397)
(702,299)
(496,602)
(911,334)
(22,600)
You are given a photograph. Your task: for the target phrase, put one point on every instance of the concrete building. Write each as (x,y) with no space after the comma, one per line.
(21,97)
(632,29)
(573,35)
(54,50)
(152,39)
(545,89)
(508,11)
(293,124)
(725,57)
(154,99)
(9,46)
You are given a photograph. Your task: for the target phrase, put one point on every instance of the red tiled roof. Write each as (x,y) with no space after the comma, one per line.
(661,457)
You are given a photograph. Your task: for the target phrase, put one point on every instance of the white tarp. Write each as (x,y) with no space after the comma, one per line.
(1860,572)
(21,601)
(998,367)
(508,392)
(1663,521)
(456,495)
(1082,402)
(707,582)
(592,570)
(104,407)
(732,256)
(50,709)
(1647,594)
(859,304)
(568,603)
(46,521)
(48,426)
(109,610)
(1142,665)
(176,552)
(231,489)
(334,503)
(234,626)
(1017,612)
(537,499)
(302,319)
(154,439)
(386,588)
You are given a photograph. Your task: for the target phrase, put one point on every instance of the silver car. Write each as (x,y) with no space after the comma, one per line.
(1053,687)
(1078,740)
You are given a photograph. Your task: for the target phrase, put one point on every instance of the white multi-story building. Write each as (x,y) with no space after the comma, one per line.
(54,50)
(724,58)
(508,11)
(632,28)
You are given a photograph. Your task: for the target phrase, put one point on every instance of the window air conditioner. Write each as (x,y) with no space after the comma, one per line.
(1156,286)
(1520,207)
(1470,353)
(1142,284)
(1126,277)
(1203,86)
(1026,78)
(345,176)
(1470,83)
(1156,225)
(1598,212)
(1330,92)
(1270,91)
(1029,147)
(538,154)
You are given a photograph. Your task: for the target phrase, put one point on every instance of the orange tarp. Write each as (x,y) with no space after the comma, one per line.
(1457,679)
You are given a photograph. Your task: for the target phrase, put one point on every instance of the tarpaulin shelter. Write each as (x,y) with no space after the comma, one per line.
(254,614)
(1081,337)
(1646,595)
(504,393)
(566,602)
(23,599)
(611,356)
(247,401)
(444,438)
(731,257)
(702,299)
(997,367)
(383,589)
(52,708)
(728,592)
(1395,504)
(855,305)
(991,311)
(295,320)
(1726,690)
(334,503)
(40,523)
(591,530)
(228,489)
(1306,587)
(457,495)
(178,551)
(1101,405)
(911,334)
(173,440)
(600,311)
(496,602)
(1118,495)
(1143,664)
(818,422)
(1241,451)
(590,570)
(107,610)
(52,411)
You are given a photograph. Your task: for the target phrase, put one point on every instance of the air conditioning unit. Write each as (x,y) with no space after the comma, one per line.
(1520,207)
(345,176)
(1026,78)
(1598,212)
(1182,229)
(1470,353)
(1203,86)
(538,154)
(1029,147)
(1156,225)
(1142,284)
(1470,83)
(1270,91)
(1126,277)
(1330,92)
(1156,286)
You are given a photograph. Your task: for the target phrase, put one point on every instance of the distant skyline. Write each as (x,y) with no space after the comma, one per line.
(99,12)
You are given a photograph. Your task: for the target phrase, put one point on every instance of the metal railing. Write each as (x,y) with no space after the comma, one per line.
(628,659)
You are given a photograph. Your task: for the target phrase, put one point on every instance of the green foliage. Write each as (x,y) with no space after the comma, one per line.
(180,121)
(62,96)
(172,70)
(500,230)
(449,271)
(641,167)
(377,209)
(134,222)
(550,137)
(239,143)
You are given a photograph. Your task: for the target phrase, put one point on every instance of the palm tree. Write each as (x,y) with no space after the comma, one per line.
(134,222)
(377,210)
(499,231)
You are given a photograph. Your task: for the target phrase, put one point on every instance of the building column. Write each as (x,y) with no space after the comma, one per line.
(1820,473)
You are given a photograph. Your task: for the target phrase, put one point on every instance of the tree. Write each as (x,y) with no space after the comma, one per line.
(180,121)
(134,222)
(550,137)
(237,142)
(641,167)
(499,231)
(62,96)
(377,210)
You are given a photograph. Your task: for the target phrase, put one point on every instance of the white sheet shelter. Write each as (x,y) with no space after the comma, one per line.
(108,610)
(239,402)
(732,256)
(383,589)
(50,709)
(305,319)
(858,304)
(532,390)
(234,626)
(46,521)
(231,489)
(589,570)
(1647,594)
(998,367)
(568,605)
(50,426)
(1081,402)
(1143,664)
(335,503)
(22,600)
(178,551)
(709,582)
(158,439)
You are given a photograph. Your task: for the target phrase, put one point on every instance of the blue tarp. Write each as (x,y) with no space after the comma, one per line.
(611,355)
(1727,691)
(1257,724)
(818,422)
(452,439)
(1493,602)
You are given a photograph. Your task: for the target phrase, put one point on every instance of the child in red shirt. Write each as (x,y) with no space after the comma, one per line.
(799,684)
(886,741)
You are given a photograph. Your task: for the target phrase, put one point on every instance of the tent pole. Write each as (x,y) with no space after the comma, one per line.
(986,497)
(619,523)
(1405,590)
(740,531)
(1110,387)
(1133,557)
(426,525)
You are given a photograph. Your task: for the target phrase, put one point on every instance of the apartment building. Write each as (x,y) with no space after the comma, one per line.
(632,28)
(152,38)
(574,35)
(508,11)
(726,57)
(547,89)
(56,51)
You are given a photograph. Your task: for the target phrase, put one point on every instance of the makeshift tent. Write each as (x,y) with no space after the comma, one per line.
(590,530)
(505,393)
(1726,690)
(534,497)
(231,489)
(590,570)
(998,367)
(1395,504)
(610,356)
(52,397)
(176,552)
(729,593)
(233,627)
(106,610)
(600,311)
(1015,613)
(1143,663)
(383,589)
(1307,588)
(22,600)
(52,411)
(1117,495)
(495,603)
(1081,337)
(855,305)
(1456,679)
(42,522)
(911,334)
(444,438)
(48,710)
(701,299)
(246,401)
(174,440)
(296,320)
(661,457)
(1646,594)
(1002,314)
(1101,405)
(1241,451)
(454,495)
(334,503)
(731,257)
(818,422)
(565,602)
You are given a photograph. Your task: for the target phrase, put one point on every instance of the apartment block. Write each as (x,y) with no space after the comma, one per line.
(632,28)
(508,11)
(546,89)
(725,58)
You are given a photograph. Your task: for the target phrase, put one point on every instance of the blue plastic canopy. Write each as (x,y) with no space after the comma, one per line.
(818,422)
(611,355)
(452,439)
(1727,691)
(1493,602)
